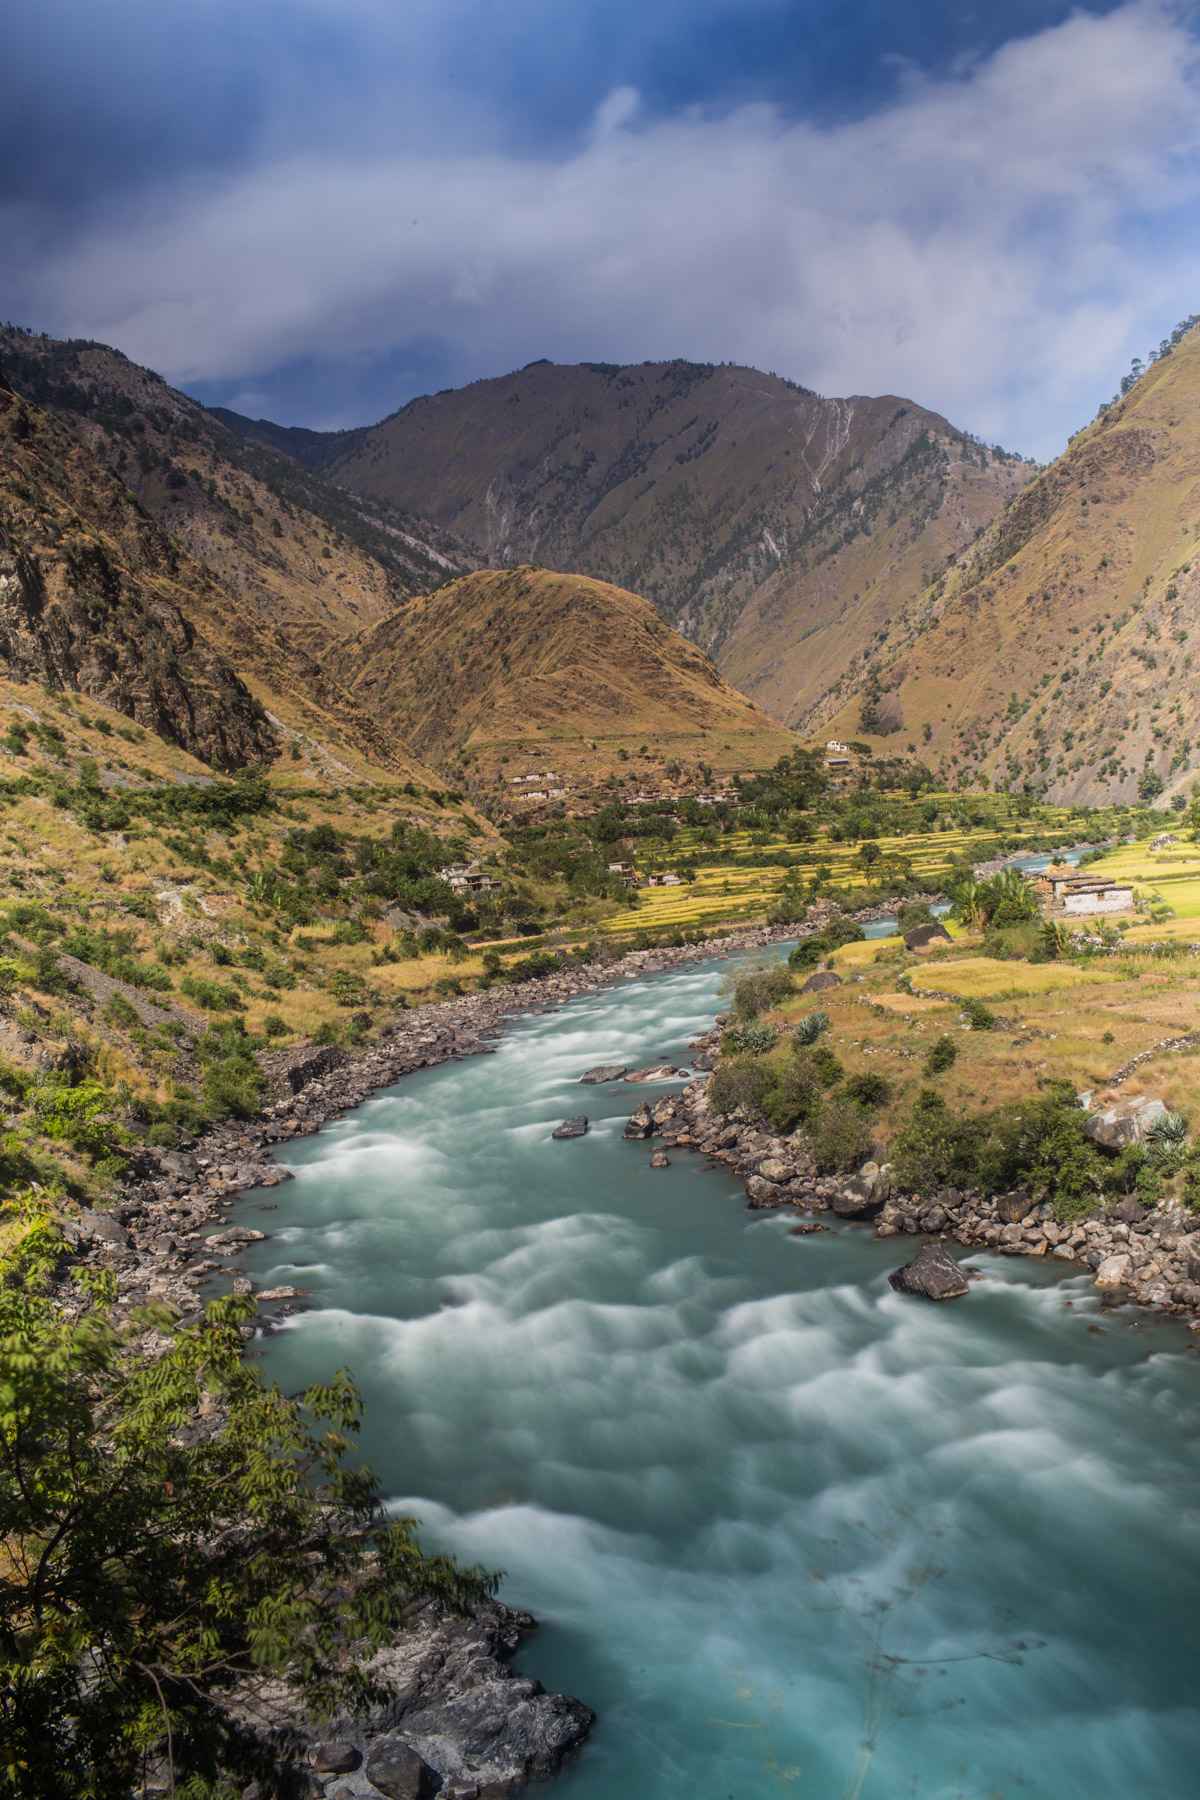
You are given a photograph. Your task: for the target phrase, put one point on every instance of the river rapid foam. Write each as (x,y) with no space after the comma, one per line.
(788,1531)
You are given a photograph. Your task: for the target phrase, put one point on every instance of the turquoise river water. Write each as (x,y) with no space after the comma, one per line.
(788,1532)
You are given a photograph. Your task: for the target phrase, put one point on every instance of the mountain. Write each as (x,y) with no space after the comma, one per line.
(504,665)
(778,530)
(95,599)
(308,556)
(272,565)
(1058,652)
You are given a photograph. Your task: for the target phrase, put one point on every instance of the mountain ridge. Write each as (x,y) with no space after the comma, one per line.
(753,513)
(1065,628)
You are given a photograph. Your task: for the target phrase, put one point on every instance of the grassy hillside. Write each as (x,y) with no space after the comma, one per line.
(777,529)
(1057,654)
(504,666)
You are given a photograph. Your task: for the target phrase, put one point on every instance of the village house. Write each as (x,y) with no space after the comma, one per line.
(1079,895)
(667,878)
(468,878)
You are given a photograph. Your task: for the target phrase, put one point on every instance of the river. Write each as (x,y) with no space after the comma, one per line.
(788,1532)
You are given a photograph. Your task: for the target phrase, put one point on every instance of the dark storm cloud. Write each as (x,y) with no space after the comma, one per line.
(315,209)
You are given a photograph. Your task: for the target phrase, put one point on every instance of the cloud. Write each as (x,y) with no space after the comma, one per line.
(995,243)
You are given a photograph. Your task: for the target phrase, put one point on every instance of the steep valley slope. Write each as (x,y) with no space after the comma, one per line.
(778,530)
(1058,654)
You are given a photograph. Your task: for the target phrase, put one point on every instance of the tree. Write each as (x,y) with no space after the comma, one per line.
(172,1524)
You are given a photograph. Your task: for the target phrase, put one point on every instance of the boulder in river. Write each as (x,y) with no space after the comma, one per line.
(603,1072)
(660,1160)
(655,1072)
(1115,1270)
(932,1274)
(641,1123)
(572,1128)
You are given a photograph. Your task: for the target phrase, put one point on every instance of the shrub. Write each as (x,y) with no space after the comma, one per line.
(829,1070)
(981,1017)
(810,1027)
(735,1084)
(797,1094)
(163,1135)
(841,930)
(761,990)
(232,1087)
(808,952)
(868,1090)
(329,1033)
(213,996)
(840,1138)
(152,1559)
(121,1012)
(912,914)
(274,1026)
(942,1055)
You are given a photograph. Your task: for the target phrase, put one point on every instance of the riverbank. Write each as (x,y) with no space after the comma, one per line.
(458,1715)
(1149,1256)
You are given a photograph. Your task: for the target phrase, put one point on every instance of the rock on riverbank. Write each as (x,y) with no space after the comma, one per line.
(457,1720)
(1151,1257)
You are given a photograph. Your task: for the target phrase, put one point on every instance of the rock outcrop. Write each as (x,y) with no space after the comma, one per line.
(932,1274)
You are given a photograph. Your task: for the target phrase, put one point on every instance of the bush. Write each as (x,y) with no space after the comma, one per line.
(232,1087)
(274,1026)
(829,1069)
(981,1017)
(213,996)
(808,952)
(912,914)
(797,1094)
(810,1027)
(868,1090)
(120,1012)
(163,1136)
(761,990)
(735,1084)
(840,1137)
(942,1055)
(841,930)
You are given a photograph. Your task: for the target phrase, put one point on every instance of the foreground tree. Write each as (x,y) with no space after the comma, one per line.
(171,1525)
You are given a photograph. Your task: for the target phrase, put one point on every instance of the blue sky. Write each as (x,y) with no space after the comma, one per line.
(313,209)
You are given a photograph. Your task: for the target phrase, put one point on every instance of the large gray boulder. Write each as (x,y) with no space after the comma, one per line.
(604,1072)
(1125,1121)
(932,1274)
(101,1226)
(1011,1208)
(571,1128)
(397,1771)
(824,978)
(923,935)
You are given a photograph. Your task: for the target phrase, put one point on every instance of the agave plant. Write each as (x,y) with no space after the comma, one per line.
(1171,1129)
(811,1026)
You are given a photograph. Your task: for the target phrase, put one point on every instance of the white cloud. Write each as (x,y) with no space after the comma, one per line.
(995,245)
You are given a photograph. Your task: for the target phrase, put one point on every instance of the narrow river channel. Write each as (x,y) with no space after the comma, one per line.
(786,1531)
